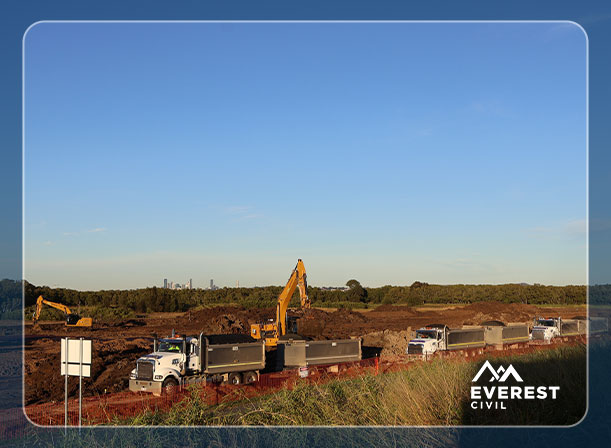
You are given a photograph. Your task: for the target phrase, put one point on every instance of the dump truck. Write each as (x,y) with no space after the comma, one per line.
(177,360)
(497,333)
(439,337)
(547,328)
(301,353)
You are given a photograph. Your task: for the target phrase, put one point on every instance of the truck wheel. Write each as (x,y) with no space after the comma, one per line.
(169,385)
(234,378)
(250,377)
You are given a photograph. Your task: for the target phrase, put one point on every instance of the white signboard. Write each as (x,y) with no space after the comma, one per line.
(74,357)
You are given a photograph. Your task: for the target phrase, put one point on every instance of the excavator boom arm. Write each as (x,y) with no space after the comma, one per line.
(297,279)
(40,302)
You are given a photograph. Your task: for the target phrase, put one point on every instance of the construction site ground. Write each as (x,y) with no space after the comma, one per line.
(385,330)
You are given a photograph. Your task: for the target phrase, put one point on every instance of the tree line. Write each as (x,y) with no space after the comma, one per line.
(155,299)
(10,299)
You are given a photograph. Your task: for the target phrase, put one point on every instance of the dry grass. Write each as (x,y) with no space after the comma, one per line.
(433,393)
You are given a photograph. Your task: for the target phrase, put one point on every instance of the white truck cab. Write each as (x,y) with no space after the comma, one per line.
(171,359)
(428,340)
(546,328)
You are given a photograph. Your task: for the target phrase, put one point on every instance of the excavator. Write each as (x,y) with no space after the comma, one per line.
(72,320)
(275,329)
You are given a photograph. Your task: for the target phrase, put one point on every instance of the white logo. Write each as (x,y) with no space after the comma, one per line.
(496,397)
(496,374)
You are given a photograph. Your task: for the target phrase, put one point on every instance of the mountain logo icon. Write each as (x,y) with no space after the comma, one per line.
(500,375)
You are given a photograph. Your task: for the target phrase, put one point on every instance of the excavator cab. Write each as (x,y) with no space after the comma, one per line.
(291,324)
(72,319)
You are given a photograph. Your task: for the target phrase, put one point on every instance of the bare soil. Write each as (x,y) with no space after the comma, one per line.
(117,345)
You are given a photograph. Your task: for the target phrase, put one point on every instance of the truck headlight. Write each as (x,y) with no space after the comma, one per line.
(158,377)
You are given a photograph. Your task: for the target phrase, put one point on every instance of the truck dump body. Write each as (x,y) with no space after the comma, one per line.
(232,357)
(572,327)
(310,353)
(496,335)
(466,338)
(515,333)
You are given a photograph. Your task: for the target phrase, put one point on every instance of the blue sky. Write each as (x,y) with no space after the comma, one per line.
(389,153)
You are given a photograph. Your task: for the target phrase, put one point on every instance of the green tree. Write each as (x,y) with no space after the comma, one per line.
(355,293)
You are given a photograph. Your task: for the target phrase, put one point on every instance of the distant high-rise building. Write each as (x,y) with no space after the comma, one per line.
(190,283)
(165,283)
(211,284)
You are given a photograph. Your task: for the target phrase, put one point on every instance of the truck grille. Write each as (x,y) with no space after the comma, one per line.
(414,349)
(538,335)
(145,371)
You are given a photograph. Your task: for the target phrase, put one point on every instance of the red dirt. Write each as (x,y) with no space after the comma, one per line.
(117,345)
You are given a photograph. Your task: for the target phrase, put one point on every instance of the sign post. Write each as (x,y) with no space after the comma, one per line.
(80,384)
(66,391)
(75,361)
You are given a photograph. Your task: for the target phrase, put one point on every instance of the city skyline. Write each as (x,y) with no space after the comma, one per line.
(339,287)
(172,285)
(389,153)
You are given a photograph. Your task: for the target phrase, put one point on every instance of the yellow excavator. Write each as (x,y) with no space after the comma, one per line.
(72,320)
(275,329)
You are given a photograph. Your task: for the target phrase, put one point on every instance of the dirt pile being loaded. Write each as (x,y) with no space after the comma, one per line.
(393,344)
(223,319)
(318,324)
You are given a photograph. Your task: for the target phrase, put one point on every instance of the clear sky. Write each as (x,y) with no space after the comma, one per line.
(389,153)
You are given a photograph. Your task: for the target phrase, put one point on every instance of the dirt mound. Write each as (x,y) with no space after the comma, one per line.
(393,343)
(476,313)
(347,316)
(311,323)
(228,324)
(223,319)
(203,314)
(311,313)
(318,324)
